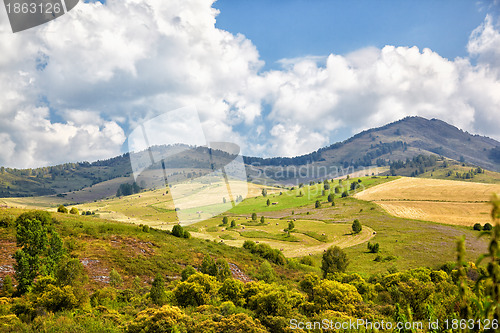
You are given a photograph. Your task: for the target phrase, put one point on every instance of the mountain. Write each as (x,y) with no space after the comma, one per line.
(400,140)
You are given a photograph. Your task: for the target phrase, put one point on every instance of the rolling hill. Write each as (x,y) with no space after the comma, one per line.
(400,140)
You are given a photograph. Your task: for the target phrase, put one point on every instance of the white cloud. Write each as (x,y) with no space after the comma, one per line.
(71,89)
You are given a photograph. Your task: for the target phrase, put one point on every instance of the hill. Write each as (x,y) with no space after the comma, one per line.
(401,140)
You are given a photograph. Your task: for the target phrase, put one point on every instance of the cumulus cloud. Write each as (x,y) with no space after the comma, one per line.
(74,88)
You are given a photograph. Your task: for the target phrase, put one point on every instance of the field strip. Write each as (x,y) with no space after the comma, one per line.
(291,249)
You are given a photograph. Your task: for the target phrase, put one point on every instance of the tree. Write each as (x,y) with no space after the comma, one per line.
(115,279)
(266,272)
(291,226)
(317,204)
(178,231)
(7,287)
(70,272)
(158,293)
(487,227)
(478,227)
(187,272)
(334,261)
(268,202)
(208,266)
(262,219)
(41,248)
(62,209)
(233,223)
(225,220)
(74,211)
(330,197)
(345,194)
(264,192)
(254,217)
(356,226)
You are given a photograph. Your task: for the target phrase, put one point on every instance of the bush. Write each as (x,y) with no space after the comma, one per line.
(478,227)
(7,221)
(187,272)
(373,248)
(62,209)
(266,272)
(334,260)
(487,227)
(345,194)
(307,261)
(317,204)
(115,279)
(157,293)
(74,211)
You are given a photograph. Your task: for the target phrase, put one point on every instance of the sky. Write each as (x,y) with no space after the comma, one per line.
(278,78)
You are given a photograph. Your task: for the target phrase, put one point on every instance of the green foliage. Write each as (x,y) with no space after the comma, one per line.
(7,221)
(7,287)
(254,217)
(232,290)
(477,227)
(223,271)
(334,261)
(233,223)
(307,261)
(178,231)
(264,192)
(224,221)
(373,248)
(262,220)
(70,272)
(265,251)
(330,197)
(62,209)
(266,272)
(197,290)
(41,248)
(167,319)
(158,294)
(345,194)
(208,266)
(268,202)
(356,227)
(187,272)
(115,279)
(74,211)
(317,204)
(487,227)
(128,189)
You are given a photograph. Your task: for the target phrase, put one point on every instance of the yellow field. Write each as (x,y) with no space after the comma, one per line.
(444,201)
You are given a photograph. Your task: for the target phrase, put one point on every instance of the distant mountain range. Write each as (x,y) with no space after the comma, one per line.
(399,140)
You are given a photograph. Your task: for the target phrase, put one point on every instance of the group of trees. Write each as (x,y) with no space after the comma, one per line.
(128,189)
(73,210)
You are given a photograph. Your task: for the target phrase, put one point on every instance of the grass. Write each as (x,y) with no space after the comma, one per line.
(265,235)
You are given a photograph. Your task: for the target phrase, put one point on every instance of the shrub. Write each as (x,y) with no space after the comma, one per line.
(373,248)
(334,260)
(115,279)
(7,221)
(317,204)
(74,211)
(62,209)
(478,227)
(330,197)
(345,194)
(487,227)
(187,272)
(266,272)
(157,293)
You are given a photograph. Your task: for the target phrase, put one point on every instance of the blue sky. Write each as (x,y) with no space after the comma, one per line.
(296,28)
(278,78)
